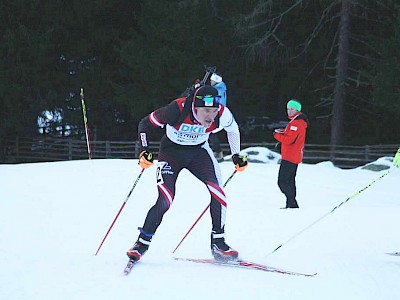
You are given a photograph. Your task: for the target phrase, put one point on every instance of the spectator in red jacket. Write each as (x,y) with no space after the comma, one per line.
(292,139)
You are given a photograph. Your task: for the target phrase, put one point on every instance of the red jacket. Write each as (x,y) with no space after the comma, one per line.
(293,138)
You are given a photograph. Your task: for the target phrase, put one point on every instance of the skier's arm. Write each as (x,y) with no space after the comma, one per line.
(158,118)
(228,122)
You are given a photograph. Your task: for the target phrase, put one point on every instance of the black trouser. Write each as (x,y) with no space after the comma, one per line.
(287,182)
(200,161)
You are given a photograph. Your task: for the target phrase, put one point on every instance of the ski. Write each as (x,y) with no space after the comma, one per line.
(243,264)
(394,253)
(129,266)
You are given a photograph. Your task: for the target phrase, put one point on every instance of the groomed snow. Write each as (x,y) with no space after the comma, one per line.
(54,216)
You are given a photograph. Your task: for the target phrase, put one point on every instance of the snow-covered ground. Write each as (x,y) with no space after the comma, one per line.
(54,216)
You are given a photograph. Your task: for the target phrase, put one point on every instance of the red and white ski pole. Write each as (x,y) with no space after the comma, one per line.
(122,207)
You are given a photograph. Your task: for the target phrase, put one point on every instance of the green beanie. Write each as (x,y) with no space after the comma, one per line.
(294,104)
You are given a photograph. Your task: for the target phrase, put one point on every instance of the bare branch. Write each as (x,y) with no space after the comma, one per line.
(331,50)
(261,47)
(363,41)
(327,87)
(323,20)
(357,81)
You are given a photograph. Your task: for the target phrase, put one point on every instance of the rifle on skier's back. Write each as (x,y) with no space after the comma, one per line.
(209,70)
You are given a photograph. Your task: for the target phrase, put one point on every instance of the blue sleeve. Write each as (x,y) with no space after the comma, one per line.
(221,88)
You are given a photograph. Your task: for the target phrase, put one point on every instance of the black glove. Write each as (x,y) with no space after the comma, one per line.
(240,162)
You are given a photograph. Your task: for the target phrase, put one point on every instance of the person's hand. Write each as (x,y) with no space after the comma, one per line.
(396,160)
(279,130)
(197,84)
(240,162)
(145,159)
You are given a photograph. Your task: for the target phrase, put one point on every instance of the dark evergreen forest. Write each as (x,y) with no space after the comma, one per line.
(340,58)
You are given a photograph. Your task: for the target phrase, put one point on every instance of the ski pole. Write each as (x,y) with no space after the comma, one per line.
(336,207)
(123,204)
(201,215)
(85,122)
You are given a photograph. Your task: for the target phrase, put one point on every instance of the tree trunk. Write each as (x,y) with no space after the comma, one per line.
(341,75)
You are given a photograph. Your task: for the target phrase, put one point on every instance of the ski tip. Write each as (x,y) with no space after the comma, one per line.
(129,267)
(393,253)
